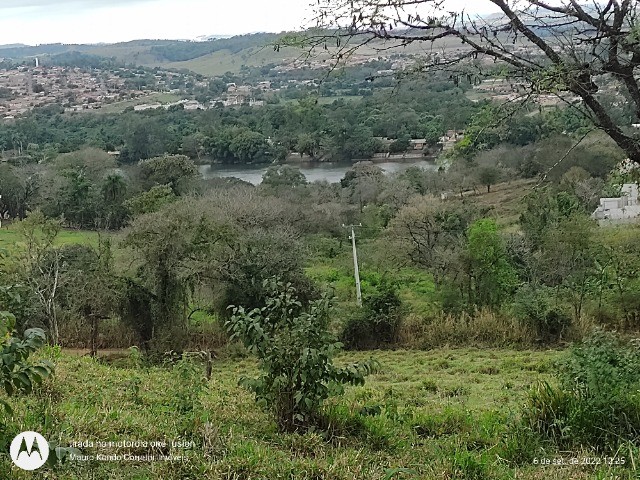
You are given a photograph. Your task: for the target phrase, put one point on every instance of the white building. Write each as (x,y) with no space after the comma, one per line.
(625,209)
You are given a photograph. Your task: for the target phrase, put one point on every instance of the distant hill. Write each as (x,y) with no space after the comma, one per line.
(212,57)
(229,53)
(13,45)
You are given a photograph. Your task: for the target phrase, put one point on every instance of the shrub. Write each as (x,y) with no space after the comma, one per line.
(533,307)
(484,328)
(17,374)
(597,401)
(188,384)
(376,324)
(295,354)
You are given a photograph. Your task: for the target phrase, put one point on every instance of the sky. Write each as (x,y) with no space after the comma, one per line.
(35,22)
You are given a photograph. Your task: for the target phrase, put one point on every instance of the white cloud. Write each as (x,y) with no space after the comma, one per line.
(94,21)
(151,19)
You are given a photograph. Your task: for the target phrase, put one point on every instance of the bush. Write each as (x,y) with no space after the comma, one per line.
(17,373)
(376,324)
(295,352)
(189,383)
(597,402)
(483,328)
(533,307)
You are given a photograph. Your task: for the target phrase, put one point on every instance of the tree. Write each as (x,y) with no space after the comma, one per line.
(88,286)
(173,248)
(491,277)
(138,146)
(564,46)
(432,234)
(400,145)
(249,146)
(150,201)
(112,210)
(295,351)
(176,171)
(13,190)
(568,259)
(309,144)
(253,255)
(114,188)
(76,199)
(363,182)
(284,175)
(94,163)
(41,262)
(488,176)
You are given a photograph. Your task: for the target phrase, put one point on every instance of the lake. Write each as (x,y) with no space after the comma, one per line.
(331,172)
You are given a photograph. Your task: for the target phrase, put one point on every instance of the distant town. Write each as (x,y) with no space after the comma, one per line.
(89,89)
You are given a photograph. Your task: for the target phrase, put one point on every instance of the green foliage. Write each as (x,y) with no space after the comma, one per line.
(189,384)
(400,145)
(176,171)
(493,277)
(170,244)
(136,310)
(248,146)
(597,401)
(377,323)
(295,352)
(151,201)
(284,175)
(466,466)
(543,209)
(489,176)
(17,374)
(88,287)
(535,308)
(493,125)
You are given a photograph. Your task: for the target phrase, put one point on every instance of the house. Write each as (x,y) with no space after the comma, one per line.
(624,209)
(418,144)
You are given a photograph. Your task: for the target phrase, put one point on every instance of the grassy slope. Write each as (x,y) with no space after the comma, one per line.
(221,62)
(438,414)
(218,63)
(505,200)
(10,236)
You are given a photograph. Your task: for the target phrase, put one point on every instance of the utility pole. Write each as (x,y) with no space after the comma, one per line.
(355,261)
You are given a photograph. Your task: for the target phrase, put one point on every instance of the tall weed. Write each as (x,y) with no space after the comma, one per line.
(597,401)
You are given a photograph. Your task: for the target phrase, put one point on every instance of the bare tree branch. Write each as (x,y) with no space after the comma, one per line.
(560,47)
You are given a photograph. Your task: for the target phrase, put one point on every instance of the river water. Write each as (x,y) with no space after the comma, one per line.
(331,172)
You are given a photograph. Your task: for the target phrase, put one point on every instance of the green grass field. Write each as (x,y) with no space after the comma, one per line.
(10,237)
(441,414)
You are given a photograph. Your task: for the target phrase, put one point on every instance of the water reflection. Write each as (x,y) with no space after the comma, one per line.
(331,172)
